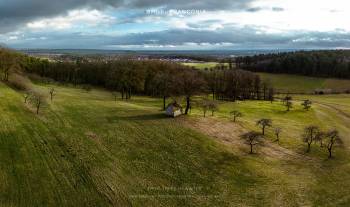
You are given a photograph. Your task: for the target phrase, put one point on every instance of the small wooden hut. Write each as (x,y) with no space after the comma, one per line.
(173,109)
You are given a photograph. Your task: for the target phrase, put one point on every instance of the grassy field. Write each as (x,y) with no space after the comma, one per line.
(202,65)
(291,83)
(303,83)
(85,149)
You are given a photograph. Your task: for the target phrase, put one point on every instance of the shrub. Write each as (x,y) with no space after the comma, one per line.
(19,82)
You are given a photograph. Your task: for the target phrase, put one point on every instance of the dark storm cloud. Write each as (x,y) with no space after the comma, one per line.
(176,37)
(192,4)
(247,37)
(14,13)
(241,38)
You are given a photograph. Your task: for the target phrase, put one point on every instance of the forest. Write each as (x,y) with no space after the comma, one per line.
(322,63)
(154,78)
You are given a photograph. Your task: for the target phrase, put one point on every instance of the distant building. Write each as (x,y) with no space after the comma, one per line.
(173,110)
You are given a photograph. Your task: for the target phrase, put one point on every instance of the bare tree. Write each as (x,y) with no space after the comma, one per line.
(210,105)
(319,137)
(213,106)
(52,93)
(191,83)
(251,138)
(289,105)
(205,106)
(37,100)
(333,138)
(164,82)
(306,104)
(309,135)
(263,123)
(287,101)
(26,96)
(235,115)
(8,63)
(287,98)
(19,82)
(277,132)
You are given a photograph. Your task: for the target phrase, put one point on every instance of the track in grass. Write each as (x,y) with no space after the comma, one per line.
(85,149)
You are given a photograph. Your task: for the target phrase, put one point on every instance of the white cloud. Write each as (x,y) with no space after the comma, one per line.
(75,18)
(182,46)
(13,38)
(275,23)
(292,15)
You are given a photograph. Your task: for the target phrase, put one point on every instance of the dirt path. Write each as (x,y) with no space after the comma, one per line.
(332,106)
(228,133)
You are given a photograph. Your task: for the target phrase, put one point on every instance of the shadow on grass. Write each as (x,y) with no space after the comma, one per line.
(141,117)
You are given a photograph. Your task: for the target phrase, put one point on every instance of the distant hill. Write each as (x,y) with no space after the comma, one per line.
(213,55)
(324,63)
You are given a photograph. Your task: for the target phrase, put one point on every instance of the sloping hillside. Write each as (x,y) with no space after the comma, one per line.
(85,149)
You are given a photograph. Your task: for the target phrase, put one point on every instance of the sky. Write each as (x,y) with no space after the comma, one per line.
(175,25)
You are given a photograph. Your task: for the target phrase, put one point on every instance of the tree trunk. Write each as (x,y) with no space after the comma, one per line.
(234,118)
(37,108)
(188,102)
(164,100)
(263,130)
(330,150)
(251,149)
(308,147)
(6,76)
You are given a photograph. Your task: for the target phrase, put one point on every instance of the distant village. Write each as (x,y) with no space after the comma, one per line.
(72,57)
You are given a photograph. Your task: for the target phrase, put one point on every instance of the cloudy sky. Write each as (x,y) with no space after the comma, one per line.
(178,25)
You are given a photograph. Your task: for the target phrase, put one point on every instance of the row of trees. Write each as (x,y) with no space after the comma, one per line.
(328,139)
(312,135)
(10,61)
(34,97)
(332,63)
(155,78)
(233,84)
(128,77)
(288,103)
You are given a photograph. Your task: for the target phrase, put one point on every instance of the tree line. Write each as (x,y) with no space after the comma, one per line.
(324,63)
(155,78)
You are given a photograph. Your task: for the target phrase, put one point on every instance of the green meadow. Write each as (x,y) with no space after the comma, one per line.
(291,83)
(304,84)
(202,65)
(85,149)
